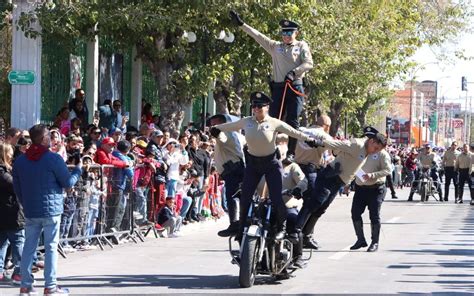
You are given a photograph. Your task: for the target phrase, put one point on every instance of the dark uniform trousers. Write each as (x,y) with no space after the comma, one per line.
(256,167)
(450,174)
(389,182)
(311,172)
(370,197)
(464,177)
(325,190)
(232,181)
(292,107)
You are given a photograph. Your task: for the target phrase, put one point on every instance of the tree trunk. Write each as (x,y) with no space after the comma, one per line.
(335,112)
(221,94)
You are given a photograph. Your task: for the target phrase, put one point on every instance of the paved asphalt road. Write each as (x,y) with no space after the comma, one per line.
(424,248)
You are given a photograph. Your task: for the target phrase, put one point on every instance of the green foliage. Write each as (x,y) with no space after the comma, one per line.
(358,46)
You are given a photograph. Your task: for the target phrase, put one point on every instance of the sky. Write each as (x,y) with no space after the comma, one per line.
(448,74)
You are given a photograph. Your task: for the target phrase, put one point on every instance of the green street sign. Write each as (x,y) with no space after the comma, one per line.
(21,77)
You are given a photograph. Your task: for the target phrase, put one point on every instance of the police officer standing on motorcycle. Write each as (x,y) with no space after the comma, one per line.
(311,162)
(426,159)
(229,161)
(351,156)
(464,167)
(370,192)
(291,60)
(261,157)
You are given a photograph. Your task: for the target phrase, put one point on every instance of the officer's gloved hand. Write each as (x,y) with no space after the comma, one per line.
(290,76)
(215,132)
(236,19)
(296,192)
(315,143)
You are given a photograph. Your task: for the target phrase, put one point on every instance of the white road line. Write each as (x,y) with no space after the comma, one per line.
(393,220)
(340,254)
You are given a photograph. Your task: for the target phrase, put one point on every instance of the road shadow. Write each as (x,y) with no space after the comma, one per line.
(171,281)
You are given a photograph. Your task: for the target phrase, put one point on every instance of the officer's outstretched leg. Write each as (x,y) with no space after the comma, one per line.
(358,207)
(232,182)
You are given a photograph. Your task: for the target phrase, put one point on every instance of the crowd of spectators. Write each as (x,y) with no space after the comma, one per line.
(142,175)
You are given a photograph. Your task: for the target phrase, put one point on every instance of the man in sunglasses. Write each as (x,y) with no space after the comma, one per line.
(262,157)
(291,60)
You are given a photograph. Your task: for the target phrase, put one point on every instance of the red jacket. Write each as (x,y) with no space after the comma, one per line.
(102,157)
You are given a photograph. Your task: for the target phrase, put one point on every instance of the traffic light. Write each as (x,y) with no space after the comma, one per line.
(463,83)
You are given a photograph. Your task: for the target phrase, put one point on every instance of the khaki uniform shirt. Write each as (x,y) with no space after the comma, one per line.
(377,167)
(426,160)
(351,156)
(293,57)
(261,136)
(464,161)
(228,147)
(305,154)
(449,158)
(292,177)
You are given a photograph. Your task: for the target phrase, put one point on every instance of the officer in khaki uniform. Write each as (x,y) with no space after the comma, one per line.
(351,156)
(229,161)
(449,164)
(291,60)
(464,164)
(261,158)
(425,160)
(311,162)
(370,192)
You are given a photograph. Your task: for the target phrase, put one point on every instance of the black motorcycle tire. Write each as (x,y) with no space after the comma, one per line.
(248,262)
(424,192)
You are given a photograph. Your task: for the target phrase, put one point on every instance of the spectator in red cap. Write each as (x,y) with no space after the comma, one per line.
(104,154)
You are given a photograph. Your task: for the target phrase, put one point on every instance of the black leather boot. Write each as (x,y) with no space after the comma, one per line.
(374,246)
(298,260)
(359,230)
(232,230)
(310,243)
(280,232)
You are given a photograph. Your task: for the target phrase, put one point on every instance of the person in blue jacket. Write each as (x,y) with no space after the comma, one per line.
(117,202)
(39,179)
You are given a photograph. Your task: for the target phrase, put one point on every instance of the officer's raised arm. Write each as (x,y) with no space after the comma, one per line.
(267,43)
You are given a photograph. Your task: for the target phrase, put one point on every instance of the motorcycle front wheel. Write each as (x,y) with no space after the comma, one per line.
(248,262)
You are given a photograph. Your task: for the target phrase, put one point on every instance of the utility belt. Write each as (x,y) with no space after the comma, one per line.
(262,160)
(231,167)
(374,186)
(464,171)
(296,82)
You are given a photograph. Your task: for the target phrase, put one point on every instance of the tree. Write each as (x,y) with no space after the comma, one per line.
(358,46)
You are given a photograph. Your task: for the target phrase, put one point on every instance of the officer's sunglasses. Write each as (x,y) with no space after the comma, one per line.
(287,33)
(258,105)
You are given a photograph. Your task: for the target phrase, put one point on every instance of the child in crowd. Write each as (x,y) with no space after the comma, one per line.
(168,218)
(94,202)
(397,173)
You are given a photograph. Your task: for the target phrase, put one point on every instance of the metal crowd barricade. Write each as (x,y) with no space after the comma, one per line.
(100,208)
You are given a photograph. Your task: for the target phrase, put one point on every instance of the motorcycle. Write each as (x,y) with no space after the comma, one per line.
(427,186)
(259,252)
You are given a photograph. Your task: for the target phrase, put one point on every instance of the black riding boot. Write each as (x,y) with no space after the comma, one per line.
(375,237)
(359,230)
(298,260)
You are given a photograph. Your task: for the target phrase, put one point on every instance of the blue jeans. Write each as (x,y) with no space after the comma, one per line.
(140,202)
(91,221)
(16,239)
(33,229)
(171,187)
(187,201)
